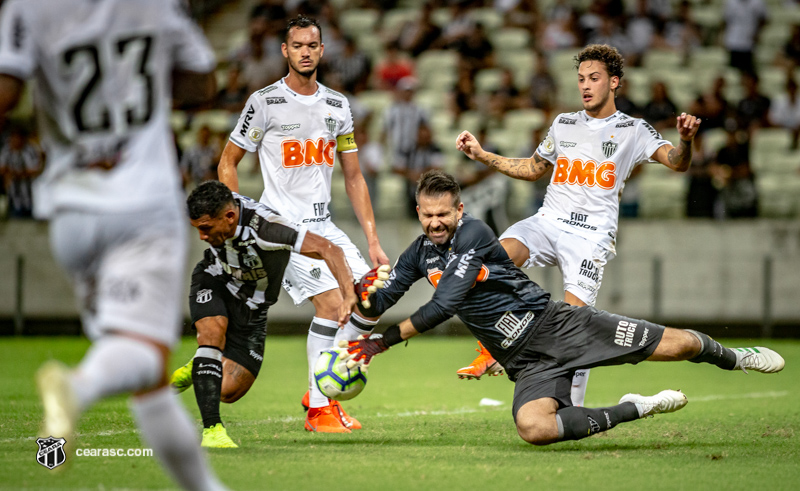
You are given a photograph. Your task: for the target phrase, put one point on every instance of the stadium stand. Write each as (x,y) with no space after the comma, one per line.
(440,69)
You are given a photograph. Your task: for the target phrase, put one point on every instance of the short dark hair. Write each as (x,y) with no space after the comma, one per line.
(301,22)
(436,183)
(209,198)
(604,53)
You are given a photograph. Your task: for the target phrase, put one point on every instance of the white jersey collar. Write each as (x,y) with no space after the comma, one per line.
(305,99)
(599,121)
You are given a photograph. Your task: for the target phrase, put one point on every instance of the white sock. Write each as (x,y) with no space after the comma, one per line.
(115,365)
(579,382)
(167,429)
(321,334)
(355,327)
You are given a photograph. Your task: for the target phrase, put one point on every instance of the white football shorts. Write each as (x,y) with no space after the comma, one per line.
(128,270)
(306,277)
(580,260)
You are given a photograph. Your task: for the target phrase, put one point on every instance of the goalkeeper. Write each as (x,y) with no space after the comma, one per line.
(540,342)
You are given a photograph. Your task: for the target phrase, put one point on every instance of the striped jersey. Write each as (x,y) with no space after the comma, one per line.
(296,137)
(252,262)
(102,73)
(592,159)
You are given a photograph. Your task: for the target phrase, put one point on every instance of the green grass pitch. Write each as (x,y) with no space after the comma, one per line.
(425,429)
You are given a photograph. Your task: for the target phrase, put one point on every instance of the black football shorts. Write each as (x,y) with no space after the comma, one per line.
(247,328)
(573,338)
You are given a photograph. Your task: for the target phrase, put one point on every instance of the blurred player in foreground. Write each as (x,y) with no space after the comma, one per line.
(594,152)
(232,288)
(112,193)
(539,342)
(297,126)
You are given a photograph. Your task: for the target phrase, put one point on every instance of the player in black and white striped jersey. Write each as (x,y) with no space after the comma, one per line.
(235,283)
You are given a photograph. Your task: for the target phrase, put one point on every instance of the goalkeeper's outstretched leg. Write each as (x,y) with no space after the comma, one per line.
(543,415)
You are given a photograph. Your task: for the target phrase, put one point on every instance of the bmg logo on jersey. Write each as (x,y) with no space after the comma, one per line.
(625,332)
(588,173)
(295,153)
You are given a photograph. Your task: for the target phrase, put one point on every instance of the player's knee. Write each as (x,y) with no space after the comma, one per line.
(516,251)
(211,331)
(236,382)
(232,395)
(147,360)
(534,431)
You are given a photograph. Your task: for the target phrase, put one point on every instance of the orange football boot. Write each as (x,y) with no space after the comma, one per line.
(484,364)
(323,420)
(337,410)
(345,418)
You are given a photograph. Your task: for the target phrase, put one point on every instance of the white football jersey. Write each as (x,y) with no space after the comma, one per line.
(592,158)
(297,138)
(102,74)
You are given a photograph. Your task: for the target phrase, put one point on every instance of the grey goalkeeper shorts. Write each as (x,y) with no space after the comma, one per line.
(573,338)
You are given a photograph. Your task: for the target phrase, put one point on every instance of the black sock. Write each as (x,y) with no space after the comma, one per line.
(713,352)
(207,380)
(576,422)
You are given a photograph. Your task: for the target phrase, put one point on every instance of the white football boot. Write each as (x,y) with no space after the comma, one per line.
(666,401)
(760,359)
(58,399)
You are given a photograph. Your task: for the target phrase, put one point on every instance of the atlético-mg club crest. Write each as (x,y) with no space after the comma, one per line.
(51,452)
(609,148)
(331,124)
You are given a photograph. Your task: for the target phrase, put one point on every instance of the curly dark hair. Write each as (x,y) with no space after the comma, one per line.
(301,22)
(604,53)
(209,198)
(436,183)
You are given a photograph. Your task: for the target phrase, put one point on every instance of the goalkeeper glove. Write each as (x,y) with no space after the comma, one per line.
(363,349)
(371,282)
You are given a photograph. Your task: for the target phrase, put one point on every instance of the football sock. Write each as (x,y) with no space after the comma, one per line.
(575,423)
(207,380)
(167,429)
(355,327)
(579,382)
(713,352)
(321,334)
(115,365)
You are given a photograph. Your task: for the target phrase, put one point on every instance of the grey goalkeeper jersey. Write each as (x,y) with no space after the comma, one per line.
(474,280)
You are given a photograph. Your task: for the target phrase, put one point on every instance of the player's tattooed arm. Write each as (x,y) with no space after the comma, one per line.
(529,169)
(680,158)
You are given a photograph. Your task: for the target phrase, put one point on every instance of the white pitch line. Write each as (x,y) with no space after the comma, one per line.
(465,410)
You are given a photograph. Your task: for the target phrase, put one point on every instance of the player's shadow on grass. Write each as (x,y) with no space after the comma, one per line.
(578,448)
(582,448)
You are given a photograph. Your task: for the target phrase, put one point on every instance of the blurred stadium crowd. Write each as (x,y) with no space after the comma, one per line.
(417,73)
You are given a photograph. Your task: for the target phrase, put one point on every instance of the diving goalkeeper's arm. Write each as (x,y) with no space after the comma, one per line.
(363,349)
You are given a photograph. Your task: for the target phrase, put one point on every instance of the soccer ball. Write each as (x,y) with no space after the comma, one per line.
(334,379)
